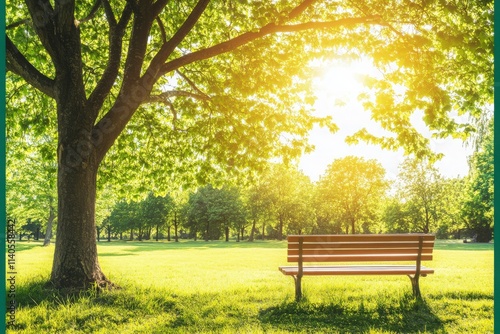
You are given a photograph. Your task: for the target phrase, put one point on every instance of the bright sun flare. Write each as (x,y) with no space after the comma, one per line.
(337,86)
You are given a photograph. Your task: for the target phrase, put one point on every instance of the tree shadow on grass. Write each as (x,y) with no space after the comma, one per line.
(27,245)
(407,316)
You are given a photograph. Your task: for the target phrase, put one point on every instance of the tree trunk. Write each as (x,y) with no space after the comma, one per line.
(252,232)
(75,258)
(263,230)
(157,228)
(48,232)
(176,226)
(280,229)
(227,233)
(168,233)
(109,233)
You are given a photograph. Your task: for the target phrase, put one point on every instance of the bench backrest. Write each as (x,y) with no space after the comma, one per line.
(360,247)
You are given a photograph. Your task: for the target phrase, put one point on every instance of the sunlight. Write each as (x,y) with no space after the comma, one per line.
(337,86)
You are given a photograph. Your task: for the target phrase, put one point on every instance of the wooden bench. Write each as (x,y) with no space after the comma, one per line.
(359,248)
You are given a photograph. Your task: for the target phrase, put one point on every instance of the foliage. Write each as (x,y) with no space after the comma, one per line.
(212,211)
(420,189)
(31,167)
(478,208)
(287,198)
(350,193)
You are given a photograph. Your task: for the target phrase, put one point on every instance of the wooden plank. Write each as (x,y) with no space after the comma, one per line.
(360,237)
(359,258)
(346,251)
(361,245)
(366,245)
(356,270)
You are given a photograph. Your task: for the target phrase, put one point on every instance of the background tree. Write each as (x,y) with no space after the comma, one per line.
(421,189)
(197,215)
(289,193)
(204,50)
(353,189)
(452,222)
(126,216)
(396,216)
(258,205)
(31,184)
(478,206)
(155,211)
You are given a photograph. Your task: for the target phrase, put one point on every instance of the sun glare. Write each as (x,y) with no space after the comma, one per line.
(337,86)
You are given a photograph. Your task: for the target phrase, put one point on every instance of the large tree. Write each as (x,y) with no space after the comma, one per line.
(232,78)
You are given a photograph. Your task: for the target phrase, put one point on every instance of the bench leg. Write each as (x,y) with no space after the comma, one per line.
(298,287)
(415,286)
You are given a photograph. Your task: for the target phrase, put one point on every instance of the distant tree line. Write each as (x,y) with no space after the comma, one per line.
(353,196)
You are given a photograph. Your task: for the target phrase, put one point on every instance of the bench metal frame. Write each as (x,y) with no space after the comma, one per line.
(359,248)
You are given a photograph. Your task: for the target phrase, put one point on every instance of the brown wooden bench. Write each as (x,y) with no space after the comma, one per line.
(359,248)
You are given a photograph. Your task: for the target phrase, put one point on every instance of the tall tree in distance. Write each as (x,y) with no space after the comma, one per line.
(199,88)
(478,208)
(352,189)
(421,189)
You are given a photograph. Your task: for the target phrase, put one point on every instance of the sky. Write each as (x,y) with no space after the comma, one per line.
(336,89)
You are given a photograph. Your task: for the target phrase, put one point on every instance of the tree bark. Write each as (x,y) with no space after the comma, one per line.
(75,258)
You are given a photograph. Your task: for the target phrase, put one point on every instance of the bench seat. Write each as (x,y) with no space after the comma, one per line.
(357,270)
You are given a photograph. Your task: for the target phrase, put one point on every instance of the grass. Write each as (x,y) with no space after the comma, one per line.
(218,287)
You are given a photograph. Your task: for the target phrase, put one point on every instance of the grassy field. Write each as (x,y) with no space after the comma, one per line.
(218,287)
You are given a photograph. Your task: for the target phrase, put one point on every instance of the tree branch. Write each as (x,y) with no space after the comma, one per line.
(164,96)
(162,30)
(19,65)
(264,31)
(42,15)
(169,47)
(17,24)
(116,33)
(191,83)
(300,9)
(93,12)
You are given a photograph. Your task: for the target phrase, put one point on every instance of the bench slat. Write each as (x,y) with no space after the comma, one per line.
(346,251)
(361,245)
(360,237)
(356,270)
(359,258)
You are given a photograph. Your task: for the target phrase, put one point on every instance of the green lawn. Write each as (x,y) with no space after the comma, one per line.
(218,287)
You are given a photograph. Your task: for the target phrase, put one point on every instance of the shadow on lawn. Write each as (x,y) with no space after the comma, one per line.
(410,316)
